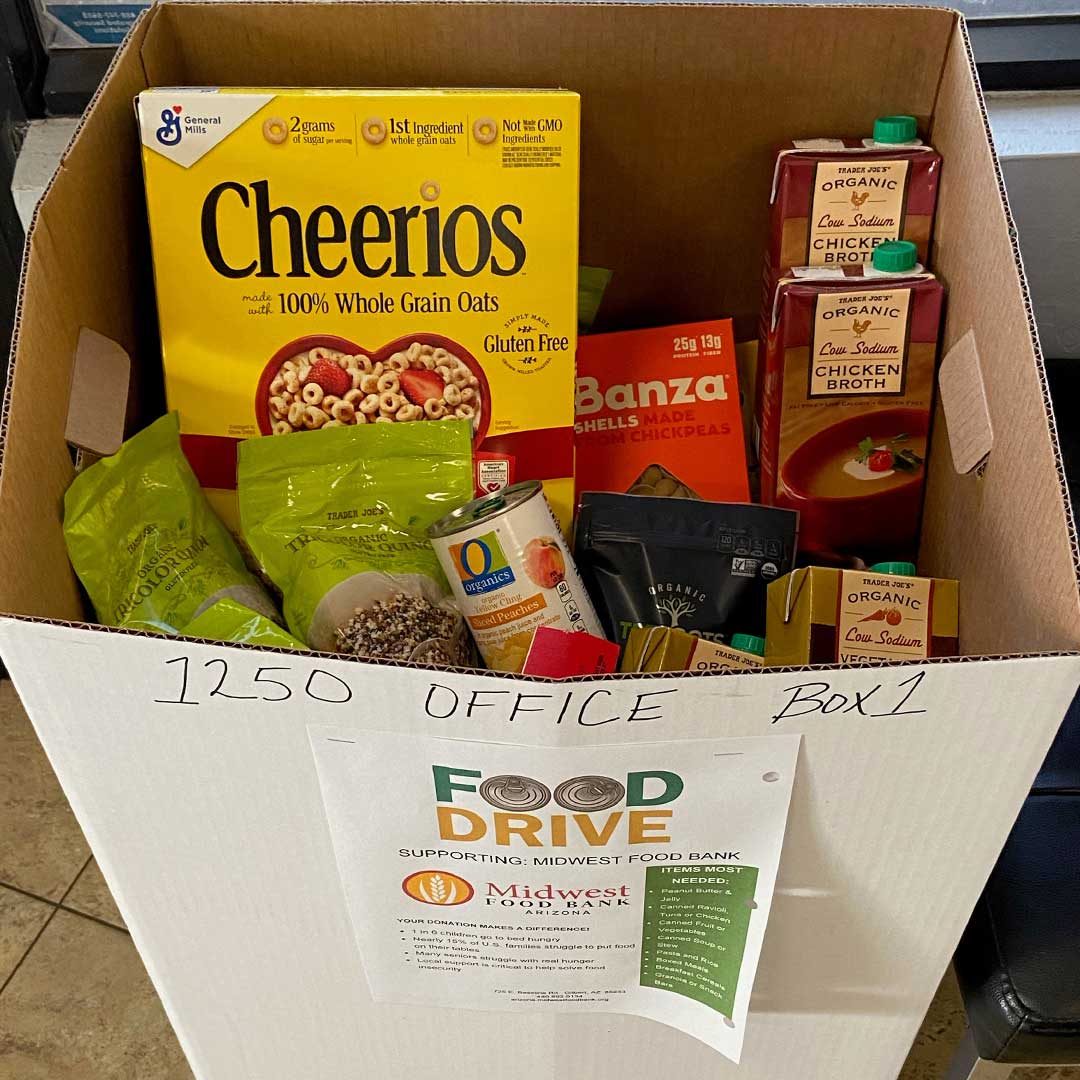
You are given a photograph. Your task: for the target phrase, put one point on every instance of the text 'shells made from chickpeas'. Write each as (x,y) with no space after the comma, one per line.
(360,257)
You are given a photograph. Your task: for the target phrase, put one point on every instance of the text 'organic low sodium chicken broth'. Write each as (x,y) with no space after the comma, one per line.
(847,397)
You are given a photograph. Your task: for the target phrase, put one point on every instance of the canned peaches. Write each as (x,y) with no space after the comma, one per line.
(511,573)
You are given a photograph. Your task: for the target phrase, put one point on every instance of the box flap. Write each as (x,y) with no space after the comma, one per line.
(82,267)
(963,398)
(100,379)
(1009,539)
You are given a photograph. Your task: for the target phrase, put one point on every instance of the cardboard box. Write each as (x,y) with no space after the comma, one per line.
(432,233)
(206,815)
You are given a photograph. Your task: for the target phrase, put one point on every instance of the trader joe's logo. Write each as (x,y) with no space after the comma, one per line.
(438,887)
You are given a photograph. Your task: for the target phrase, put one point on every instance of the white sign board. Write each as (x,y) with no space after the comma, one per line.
(190,768)
(630,879)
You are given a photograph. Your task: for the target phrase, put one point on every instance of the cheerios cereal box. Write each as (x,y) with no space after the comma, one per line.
(328,257)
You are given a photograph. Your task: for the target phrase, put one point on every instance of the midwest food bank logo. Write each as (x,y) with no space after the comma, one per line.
(438,887)
(513,809)
(481,564)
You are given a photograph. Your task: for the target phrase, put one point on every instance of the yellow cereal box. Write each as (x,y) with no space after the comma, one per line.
(367,256)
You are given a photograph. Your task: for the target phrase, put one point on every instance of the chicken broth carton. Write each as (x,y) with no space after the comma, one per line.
(834,200)
(339,257)
(847,396)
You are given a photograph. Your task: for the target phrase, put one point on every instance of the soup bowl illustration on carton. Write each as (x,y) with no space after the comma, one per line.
(322,380)
(858,480)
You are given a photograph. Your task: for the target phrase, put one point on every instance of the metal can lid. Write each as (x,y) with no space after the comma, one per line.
(484,508)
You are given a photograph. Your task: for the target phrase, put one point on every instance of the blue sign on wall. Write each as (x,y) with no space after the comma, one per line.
(97,24)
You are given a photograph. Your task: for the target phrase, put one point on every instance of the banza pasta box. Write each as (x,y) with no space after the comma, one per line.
(342,257)
(657,413)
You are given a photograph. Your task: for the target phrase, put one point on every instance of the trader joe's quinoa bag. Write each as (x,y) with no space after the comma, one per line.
(337,518)
(146,545)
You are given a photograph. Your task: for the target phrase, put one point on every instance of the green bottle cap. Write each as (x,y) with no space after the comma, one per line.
(895,256)
(895,129)
(750,643)
(902,569)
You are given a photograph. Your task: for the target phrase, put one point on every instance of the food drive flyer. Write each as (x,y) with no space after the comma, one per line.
(629,879)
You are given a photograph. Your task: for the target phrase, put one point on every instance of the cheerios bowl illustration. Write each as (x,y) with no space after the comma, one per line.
(322,380)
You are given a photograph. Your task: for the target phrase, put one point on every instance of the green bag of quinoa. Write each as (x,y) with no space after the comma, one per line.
(337,518)
(146,545)
(229,621)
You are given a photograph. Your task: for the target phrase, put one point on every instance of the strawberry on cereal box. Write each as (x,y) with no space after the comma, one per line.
(330,377)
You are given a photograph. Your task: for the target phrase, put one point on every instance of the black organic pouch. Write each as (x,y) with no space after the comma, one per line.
(701,566)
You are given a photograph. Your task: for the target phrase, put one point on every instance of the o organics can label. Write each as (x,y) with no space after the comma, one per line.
(511,573)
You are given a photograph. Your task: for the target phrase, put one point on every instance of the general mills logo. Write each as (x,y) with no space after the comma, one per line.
(170,133)
(481,564)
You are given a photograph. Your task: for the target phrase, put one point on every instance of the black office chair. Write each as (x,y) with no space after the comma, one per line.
(1018,962)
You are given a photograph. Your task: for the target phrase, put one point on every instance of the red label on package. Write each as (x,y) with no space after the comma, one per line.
(559,654)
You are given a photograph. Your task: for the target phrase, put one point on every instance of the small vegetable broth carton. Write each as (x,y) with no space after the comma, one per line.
(847,395)
(339,257)
(825,615)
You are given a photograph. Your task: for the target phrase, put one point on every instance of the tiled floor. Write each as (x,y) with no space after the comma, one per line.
(75,1001)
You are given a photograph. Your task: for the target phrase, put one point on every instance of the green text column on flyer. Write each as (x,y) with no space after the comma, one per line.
(694,930)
